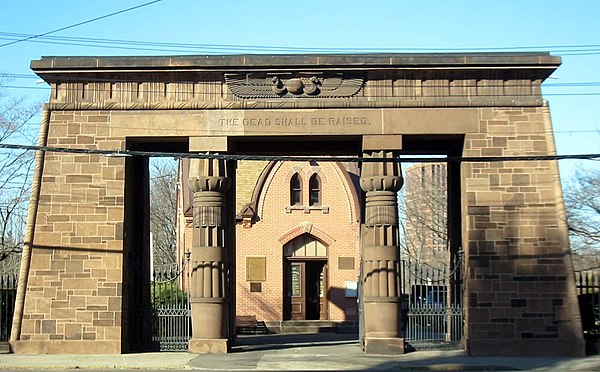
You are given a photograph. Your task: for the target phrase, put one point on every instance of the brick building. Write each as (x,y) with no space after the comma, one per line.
(297,240)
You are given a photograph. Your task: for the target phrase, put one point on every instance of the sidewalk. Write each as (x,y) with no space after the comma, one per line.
(299,352)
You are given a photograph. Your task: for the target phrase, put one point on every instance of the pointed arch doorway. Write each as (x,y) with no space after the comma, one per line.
(305,271)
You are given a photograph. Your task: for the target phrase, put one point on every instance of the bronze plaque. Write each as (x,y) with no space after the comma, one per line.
(256,269)
(346,263)
(256,287)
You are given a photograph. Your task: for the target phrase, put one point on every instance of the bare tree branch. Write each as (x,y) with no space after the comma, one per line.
(15,175)
(582,199)
(422,208)
(163,208)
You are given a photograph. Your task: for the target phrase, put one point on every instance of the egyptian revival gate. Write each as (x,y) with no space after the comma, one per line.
(87,236)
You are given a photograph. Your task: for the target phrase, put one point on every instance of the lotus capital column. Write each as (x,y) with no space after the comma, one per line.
(380,255)
(210,263)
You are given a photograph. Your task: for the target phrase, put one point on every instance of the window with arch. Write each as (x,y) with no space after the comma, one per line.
(296,190)
(314,190)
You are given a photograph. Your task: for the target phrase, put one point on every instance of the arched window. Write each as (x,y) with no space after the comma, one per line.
(314,193)
(296,190)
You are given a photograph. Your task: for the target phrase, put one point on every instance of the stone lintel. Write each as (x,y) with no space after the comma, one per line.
(208,144)
(208,346)
(382,142)
(384,346)
(66,347)
(532,60)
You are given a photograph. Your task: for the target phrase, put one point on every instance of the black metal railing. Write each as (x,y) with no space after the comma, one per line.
(588,294)
(434,316)
(170,310)
(8,294)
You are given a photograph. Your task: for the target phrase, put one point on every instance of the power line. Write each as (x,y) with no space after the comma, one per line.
(159,90)
(115,80)
(574,49)
(576,94)
(356,159)
(80,23)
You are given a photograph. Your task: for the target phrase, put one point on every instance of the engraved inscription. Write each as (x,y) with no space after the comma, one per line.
(296,121)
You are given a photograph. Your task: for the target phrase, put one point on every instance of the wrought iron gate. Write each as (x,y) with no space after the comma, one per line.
(433,303)
(8,295)
(170,309)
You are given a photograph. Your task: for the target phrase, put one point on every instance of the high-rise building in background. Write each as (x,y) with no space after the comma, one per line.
(423,214)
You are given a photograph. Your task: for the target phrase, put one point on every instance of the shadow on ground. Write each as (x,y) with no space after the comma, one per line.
(287,341)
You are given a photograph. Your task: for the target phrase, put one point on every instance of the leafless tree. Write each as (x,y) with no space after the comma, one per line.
(422,206)
(582,199)
(163,208)
(15,175)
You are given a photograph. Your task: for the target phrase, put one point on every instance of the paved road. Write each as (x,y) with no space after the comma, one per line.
(295,352)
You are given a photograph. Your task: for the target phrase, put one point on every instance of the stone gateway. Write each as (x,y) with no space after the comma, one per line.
(88,227)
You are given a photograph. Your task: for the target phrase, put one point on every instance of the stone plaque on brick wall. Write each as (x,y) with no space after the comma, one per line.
(346,263)
(256,269)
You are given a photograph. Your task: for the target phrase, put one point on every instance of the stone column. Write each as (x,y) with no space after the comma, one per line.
(209,260)
(380,255)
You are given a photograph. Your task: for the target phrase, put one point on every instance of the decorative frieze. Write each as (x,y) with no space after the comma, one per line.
(283,90)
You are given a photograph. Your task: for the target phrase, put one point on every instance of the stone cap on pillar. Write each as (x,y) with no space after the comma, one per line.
(377,142)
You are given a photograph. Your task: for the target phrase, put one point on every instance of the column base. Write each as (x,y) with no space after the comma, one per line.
(208,346)
(384,346)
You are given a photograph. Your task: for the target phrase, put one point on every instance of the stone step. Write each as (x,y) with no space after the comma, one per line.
(4,348)
(307,326)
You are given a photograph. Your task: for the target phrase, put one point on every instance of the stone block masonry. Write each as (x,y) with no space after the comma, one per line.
(515,241)
(89,230)
(74,289)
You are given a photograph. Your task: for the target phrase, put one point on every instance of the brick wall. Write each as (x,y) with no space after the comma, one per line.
(337,223)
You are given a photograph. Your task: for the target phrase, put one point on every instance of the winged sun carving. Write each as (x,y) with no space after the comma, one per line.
(287,85)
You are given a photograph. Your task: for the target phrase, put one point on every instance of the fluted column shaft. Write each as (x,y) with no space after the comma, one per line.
(209,259)
(380,254)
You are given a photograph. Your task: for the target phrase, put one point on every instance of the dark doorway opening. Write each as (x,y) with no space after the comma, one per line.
(306,288)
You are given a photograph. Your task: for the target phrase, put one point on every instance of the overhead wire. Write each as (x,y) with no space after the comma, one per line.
(31,37)
(575,94)
(115,80)
(196,47)
(359,159)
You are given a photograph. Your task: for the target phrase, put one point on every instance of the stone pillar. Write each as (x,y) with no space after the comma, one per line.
(380,255)
(209,260)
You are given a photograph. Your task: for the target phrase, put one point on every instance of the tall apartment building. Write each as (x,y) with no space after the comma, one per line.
(423,215)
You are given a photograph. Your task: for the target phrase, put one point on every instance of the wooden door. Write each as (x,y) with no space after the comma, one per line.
(297,291)
(306,290)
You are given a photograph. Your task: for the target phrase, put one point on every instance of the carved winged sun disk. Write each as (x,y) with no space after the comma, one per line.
(284,85)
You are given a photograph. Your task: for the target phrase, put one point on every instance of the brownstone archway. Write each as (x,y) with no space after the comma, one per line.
(519,284)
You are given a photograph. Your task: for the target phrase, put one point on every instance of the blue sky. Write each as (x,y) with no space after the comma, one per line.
(569,29)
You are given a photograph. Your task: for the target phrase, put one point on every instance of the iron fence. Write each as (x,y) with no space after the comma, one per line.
(588,294)
(8,294)
(170,310)
(434,305)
